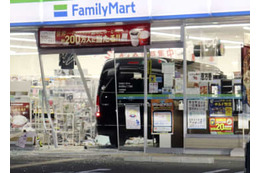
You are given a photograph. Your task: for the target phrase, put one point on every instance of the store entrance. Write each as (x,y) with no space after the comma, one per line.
(77,122)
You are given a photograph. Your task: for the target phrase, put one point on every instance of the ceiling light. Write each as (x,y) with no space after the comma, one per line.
(25,53)
(23,39)
(218,26)
(23,47)
(21,33)
(165,28)
(246,28)
(165,34)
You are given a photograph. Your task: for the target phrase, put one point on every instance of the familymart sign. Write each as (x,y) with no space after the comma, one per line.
(51,12)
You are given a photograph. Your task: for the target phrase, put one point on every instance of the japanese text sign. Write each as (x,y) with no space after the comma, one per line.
(221,125)
(121,35)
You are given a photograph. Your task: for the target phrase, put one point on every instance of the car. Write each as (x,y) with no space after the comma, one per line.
(130,74)
(247,157)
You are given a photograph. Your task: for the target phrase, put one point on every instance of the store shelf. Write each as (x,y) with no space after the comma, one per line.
(176,96)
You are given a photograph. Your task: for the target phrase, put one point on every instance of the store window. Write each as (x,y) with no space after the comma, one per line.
(214,82)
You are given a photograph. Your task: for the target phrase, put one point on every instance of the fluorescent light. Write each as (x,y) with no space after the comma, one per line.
(165,28)
(25,53)
(23,39)
(231,42)
(246,28)
(165,34)
(217,26)
(233,47)
(21,33)
(23,47)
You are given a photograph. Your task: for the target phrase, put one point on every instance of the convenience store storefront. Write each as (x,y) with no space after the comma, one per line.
(211,38)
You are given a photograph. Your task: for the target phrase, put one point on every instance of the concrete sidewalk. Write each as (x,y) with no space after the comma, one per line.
(129,156)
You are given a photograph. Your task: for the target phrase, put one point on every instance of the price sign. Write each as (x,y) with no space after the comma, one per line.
(221,125)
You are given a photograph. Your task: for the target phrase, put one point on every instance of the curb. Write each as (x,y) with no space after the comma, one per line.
(175,159)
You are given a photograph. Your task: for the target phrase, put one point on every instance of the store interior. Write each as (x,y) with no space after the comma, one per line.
(73,118)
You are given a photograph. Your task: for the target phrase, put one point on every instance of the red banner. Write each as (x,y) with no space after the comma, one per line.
(122,35)
(221,125)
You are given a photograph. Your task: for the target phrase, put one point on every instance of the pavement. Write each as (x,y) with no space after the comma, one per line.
(78,152)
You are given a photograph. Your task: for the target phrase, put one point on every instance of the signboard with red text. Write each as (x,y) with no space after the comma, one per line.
(121,35)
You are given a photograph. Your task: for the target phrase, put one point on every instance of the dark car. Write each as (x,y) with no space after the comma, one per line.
(247,157)
(130,74)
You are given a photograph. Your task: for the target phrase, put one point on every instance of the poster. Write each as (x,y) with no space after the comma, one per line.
(200,76)
(162,116)
(167,80)
(193,76)
(220,107)
(168,68)
(243,121)
(197,114)
(153,87)
(20,114)
(221,125)
(132,117)
(178,85)
(120,35)
(246,74)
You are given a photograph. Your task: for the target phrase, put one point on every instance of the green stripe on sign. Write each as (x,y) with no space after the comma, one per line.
(32,1)
(60,7)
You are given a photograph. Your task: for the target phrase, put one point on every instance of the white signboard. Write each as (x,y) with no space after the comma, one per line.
(197,114)
(193,76)
(243,121)
(153,87)
(178,85)
(168,68)
(51,12)
(162,122)
(132,117)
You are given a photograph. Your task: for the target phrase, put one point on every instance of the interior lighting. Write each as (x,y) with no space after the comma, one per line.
(218,26)
(165,34)
(23,39)
(165,28)
(21,33)
(23,47)
(246,28)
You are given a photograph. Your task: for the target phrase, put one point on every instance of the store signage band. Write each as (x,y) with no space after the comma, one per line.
(76,11)
(121,35)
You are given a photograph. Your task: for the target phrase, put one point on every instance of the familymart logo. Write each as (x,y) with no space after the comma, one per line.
(60,10)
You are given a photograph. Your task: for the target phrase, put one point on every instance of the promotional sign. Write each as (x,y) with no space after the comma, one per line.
(246,73)
(121,35)
(200,76)
(221,125)
(193,76)
(162,116)
(20,114)
(197,114)
(220,107)
(132,117)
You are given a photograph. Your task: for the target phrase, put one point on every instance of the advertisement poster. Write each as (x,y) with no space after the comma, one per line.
(220,107)
(20,114)
(162,116)
(178,85)
(193,76)
(132,117)
(197,114)
(221,125)
(246,73)
(121,35)
(153,87)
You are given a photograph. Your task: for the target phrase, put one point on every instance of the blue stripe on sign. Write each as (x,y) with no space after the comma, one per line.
(61,14)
